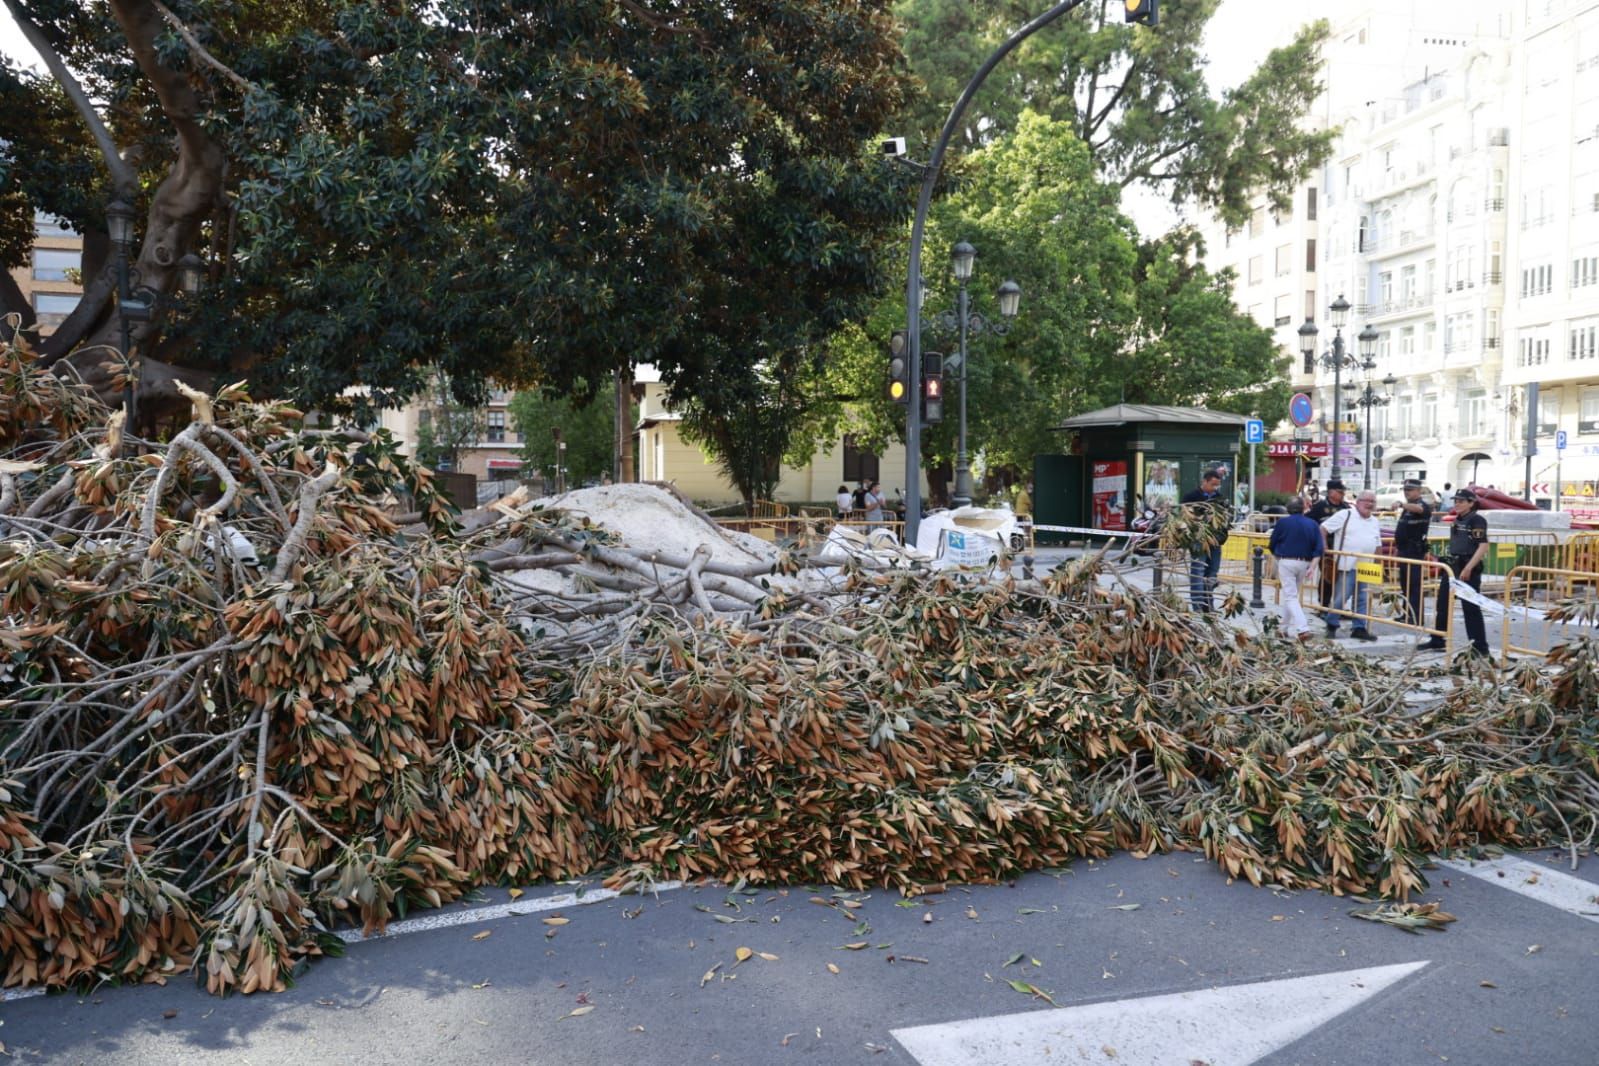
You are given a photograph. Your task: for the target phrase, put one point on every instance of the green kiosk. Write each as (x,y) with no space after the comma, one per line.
(1129,457)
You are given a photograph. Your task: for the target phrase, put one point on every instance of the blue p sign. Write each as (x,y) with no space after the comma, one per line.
(1560,440)
(1254,431)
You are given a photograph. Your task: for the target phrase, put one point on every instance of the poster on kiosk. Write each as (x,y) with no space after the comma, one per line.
(1110,495)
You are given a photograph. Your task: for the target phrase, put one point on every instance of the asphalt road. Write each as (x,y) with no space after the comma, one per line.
(1514,980)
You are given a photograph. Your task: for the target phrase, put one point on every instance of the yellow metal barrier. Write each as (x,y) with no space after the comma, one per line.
(1384,576)
(1537,588)
(1582,555)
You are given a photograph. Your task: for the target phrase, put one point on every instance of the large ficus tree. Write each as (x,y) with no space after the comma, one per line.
(524,193)
(1136,98)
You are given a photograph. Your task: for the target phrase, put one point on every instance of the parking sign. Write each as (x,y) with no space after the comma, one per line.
(1254,431)
(1560,440)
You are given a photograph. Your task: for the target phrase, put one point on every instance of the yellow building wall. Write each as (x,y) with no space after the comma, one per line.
(665,456)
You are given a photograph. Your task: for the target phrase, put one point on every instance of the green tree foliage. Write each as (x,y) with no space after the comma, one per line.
(1104,317)
(1137,98)
(445,426)
(587,428)
(520,193)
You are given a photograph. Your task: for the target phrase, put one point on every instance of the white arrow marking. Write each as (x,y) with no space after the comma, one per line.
(1230,1026)
(1570,894)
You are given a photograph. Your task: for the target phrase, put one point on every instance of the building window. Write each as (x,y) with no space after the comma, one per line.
(1310,362)
(1310,256)
(1310,305)
(1385,289)
(1257,222)
(1385,346)
(1427,427)
(859,464)
(52,264)
(1584,340)
(1534,351)
(1310,203)
(1255,267)
(1585,271)
(1285,260)
(48,226)
(1490,328)
(1407,342)
(1538,280)
(1588,413)
(52,308)
(1548,412)
(495,432)
(1473,413)
(1407,284)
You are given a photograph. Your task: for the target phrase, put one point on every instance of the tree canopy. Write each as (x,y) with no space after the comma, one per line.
(587,430)
(1105,316)
(502,192)
(1137,98)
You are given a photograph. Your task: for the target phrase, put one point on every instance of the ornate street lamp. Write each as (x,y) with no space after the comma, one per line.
(963,322)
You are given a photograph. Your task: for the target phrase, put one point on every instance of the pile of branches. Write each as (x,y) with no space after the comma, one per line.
(244,700)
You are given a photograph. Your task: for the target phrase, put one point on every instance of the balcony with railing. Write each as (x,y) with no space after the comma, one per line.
(1494,204)
(1398,243)
(1419,303)
(1493,277)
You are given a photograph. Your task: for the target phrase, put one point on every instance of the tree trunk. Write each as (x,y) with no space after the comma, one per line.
(90,337)
(622,460)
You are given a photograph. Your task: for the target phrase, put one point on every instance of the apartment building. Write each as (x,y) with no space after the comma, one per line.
(1552,322)
(50,279)
(1409,226)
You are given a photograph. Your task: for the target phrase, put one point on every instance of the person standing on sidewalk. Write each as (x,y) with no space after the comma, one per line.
(1204,561)
(1321,510)
(1410,543)
(1355,532)
(1298,545)
(1468,545)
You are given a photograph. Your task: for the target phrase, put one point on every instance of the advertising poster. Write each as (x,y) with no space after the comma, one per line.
(1110,495)
(1160,483)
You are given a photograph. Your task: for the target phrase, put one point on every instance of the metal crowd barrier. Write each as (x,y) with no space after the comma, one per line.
(1582,555)
(1525,628)
(1385,599)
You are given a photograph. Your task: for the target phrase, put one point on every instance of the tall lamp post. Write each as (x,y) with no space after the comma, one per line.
(1368,398)
(137,302)
(963,321)
(1137,11)
(1337,360)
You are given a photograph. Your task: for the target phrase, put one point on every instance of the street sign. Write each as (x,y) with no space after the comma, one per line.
(1254,431)
(1560,440)
(1287,449)
(1300,409)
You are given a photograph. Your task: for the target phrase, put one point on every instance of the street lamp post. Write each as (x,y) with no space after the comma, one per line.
(964,322)
(913,273)
(137,302)
(1368,398)
(1337,360)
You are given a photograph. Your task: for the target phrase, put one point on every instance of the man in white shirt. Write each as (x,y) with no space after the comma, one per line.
(1352,534)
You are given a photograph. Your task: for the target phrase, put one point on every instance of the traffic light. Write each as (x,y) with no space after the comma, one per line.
(1145,11)
(899,380)
(932,388)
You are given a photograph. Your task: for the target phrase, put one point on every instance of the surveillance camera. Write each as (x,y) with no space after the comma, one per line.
(894,147)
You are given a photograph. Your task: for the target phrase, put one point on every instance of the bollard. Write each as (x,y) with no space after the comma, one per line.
(1257,575)
(1160,567)
(1027,567)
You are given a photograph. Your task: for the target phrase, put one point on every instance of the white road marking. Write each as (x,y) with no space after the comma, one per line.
(1230,1026)
(444,919)
(1535,881)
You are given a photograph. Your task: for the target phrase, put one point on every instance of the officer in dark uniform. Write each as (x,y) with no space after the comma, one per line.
(1319,512)
(1410,542)
(1468,546)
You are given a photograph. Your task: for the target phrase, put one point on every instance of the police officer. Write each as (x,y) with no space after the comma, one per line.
(1410,542)
(1319,512)
(1468,546)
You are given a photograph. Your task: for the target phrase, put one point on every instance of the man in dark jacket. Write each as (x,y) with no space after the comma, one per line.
(1410,543)
(1297,544)
(1319,512)
(1468,546)
(1204,561)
